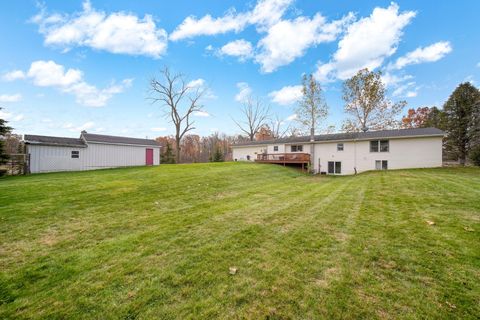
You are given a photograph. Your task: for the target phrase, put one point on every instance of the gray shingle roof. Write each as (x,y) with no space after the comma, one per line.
(54,141)
(90,137)
(381,134)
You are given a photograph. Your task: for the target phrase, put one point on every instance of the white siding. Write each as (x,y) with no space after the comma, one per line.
(242,153)
(94,156)
(404,153)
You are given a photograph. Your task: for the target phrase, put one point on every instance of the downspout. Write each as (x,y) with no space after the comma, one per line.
(355,155)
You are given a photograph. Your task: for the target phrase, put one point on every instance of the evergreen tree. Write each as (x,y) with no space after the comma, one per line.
(168,157)
(4,130)
(435,119)
(217,155)
(461,120)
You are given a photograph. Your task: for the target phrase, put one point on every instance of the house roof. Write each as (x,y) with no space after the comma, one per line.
(380,134)
(100,138)
(54,141)
(86,138)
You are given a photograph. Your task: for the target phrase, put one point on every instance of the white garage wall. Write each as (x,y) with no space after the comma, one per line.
(241,153)
(95,156)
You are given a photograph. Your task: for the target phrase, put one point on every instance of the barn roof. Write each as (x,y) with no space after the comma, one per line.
(86,138)
(53,141)
(380,134)
(100,138)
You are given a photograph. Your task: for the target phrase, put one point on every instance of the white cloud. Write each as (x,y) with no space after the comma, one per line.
(118,32)
(11,116)
(292,117)
(367,43)
(71,127)
(266,12)
(201,114)
(197,83)
(392,80)
(13,75)
(10,97)
(289,39)
(159,129)
(239,48)
(50,74)
(407,90)
(431,53)
(287,95)
(244,91)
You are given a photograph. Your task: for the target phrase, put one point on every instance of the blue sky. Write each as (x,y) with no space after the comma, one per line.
(72,65)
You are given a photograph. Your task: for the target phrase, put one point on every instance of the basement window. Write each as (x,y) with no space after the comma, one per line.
(75,154)
(381,165)
(298,148)
(339,146)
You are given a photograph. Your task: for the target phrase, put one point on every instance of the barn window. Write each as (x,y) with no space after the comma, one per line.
(75,154)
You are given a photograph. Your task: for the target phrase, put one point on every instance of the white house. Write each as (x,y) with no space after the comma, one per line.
(89,152)
(348,153)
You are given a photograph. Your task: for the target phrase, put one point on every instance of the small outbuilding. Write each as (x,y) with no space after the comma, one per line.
(89,152)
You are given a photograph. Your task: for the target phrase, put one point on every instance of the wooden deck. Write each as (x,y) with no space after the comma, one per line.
(284,158)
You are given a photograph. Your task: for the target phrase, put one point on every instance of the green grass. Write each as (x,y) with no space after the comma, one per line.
(158,243)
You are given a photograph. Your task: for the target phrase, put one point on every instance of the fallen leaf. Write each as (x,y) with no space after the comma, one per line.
(430,223)
(468,229)
(233,270)
(451,305)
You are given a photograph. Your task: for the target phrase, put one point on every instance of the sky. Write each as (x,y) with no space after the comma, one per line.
(67,66)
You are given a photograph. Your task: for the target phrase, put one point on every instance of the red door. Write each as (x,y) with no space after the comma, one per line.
(149,157)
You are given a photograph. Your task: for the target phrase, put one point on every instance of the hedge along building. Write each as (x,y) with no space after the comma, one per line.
(89,152)
(348,153)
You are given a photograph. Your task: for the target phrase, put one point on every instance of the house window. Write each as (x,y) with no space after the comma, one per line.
(334,167)
(379,145)
(275,148)
(248,158)
(339,146)
(381,164)
(75,154)
(298,148)
(384,145)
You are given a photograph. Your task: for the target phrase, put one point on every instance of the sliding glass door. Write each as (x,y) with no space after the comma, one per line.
(334,167)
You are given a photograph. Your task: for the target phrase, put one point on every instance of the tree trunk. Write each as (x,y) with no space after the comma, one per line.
(177,145)
(312,151)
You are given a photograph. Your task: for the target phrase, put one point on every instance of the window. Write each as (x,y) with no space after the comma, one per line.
(275,148)
(381,165)
(248,158)
(298,148)
(339,146)
(75,154)
(379,145)
(334,167)
(384,145)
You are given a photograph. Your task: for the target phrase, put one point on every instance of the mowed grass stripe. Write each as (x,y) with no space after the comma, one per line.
(158,242)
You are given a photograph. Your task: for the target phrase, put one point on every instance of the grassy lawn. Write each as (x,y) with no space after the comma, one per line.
(158,243)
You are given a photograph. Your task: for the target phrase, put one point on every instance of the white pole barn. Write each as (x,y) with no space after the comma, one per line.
(89,152)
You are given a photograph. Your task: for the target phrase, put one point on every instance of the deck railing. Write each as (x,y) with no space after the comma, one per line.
(283,157)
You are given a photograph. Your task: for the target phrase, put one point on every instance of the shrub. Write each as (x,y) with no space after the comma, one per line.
(475,155)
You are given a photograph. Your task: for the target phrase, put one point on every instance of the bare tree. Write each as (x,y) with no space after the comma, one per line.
(179,101)
(365,102)
(276,128)
(311,109)
(256,115)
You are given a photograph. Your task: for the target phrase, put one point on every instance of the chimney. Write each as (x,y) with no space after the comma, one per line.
(83,131)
